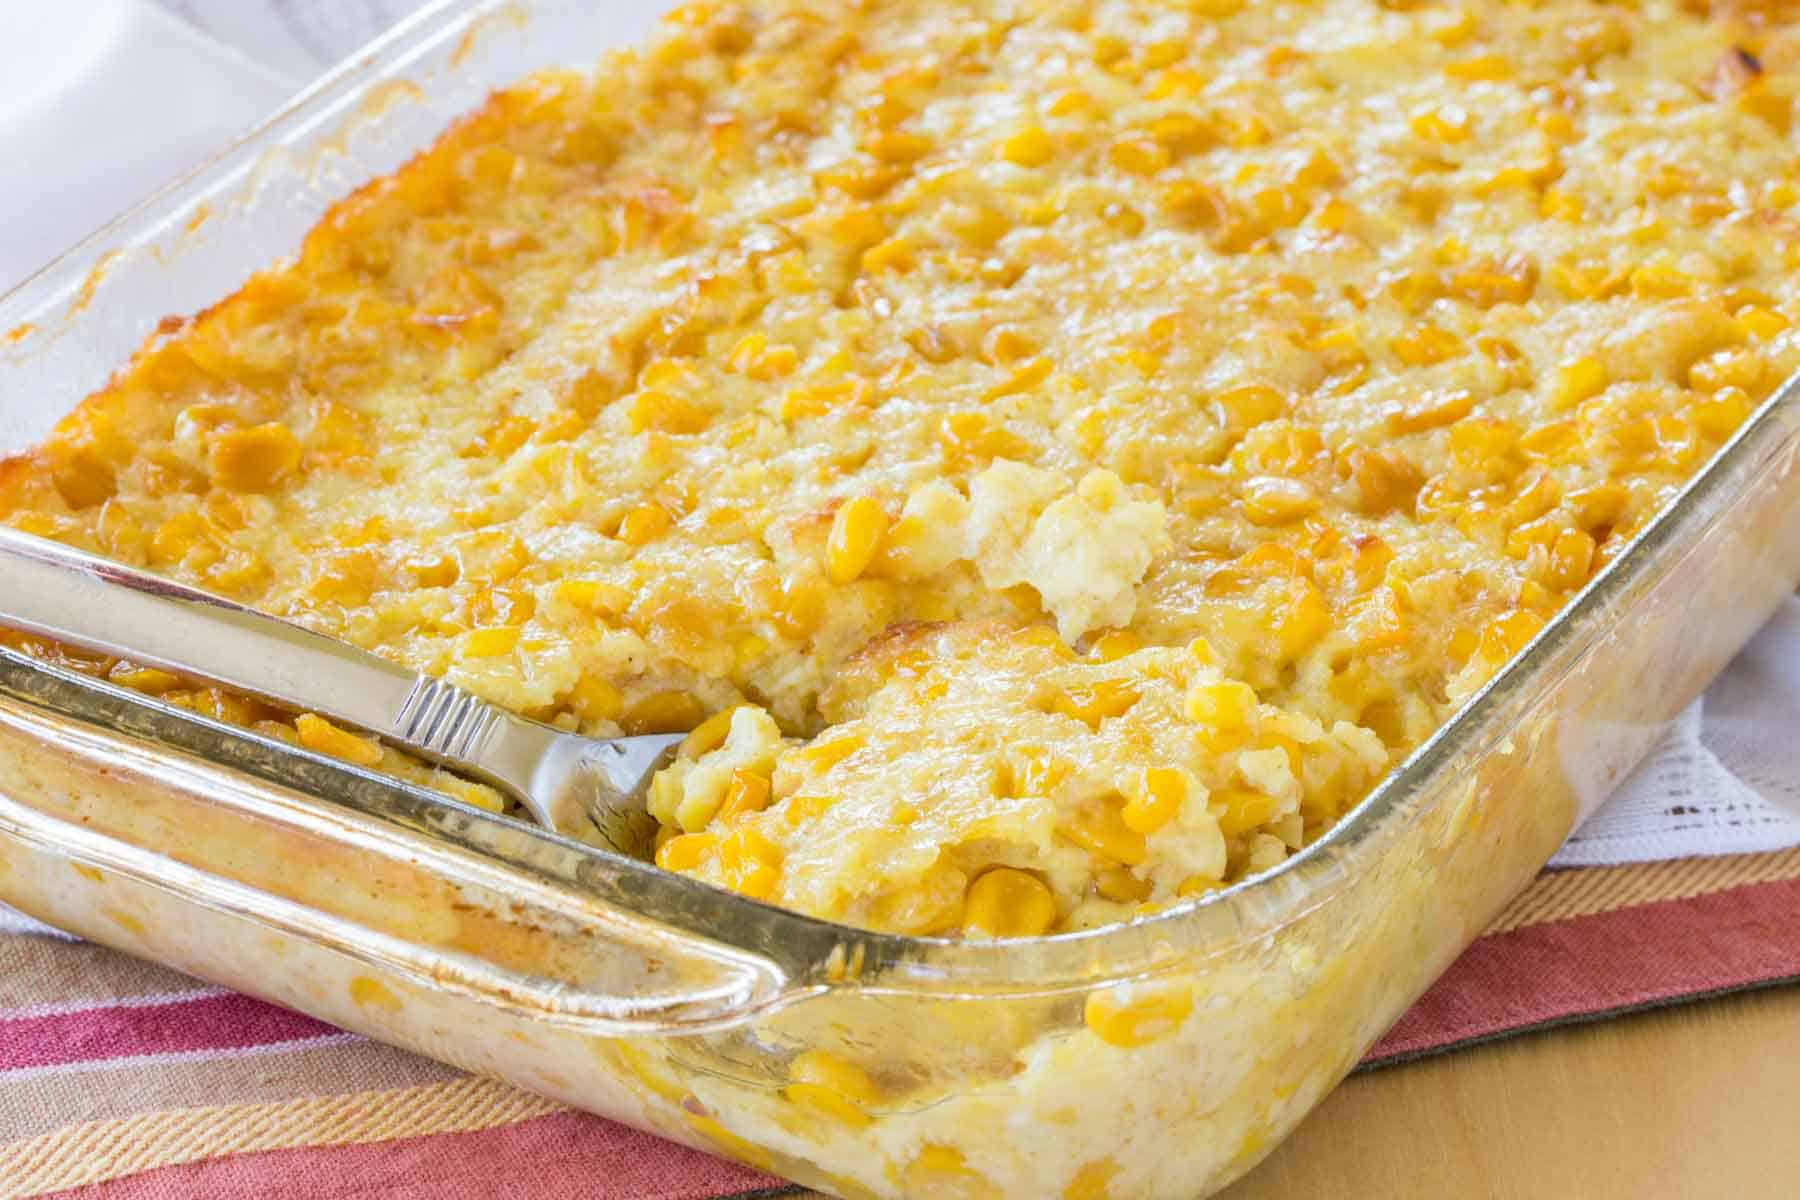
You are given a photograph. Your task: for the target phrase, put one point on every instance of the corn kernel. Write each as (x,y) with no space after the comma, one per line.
(319,735)
(1159,798)
(1195,203)
(1121,886)
(825,1069)
(491,642)
(1718,415)
(1035,773)
(749,863)
(1246,129)
(1533,535)
(709,734)
(1223,706)
(1094,702)
(1601,504)
(1279,207)
(1093,1181)
(644,524)
(898,147)
(1101,830)
(1376,622)
(1535,596)
(1274,500)
(1480,68)
(748,792)
(1130,1015)
(824,755)
(1425,345)
(594,700)
(1197,885)
(1482,441)
(1005,903)
(1450,124)
(1740,367)
(1029,147)
(832,1087)
(805,401)
(1561,205)
(1177,81)
(1004,345)
(592,596)
(1658,281)
(254,459)
(1508,282)
(1335,216)
(1414,290)
(685,852)
(665,412)
(432,570)
(1022,379)
(827,1103)
(1506,635)
(1762,323)
(805,809)
(892,254)
(748,650)
(229,708)
(754,357)
(1577,379)
(148,680)
(1180,133)
(372,993)
(1116,644)
(1431,411)
(1571,559)
(1242,810)
(1109,48)
(1302,621)
(218,704)
(83,478)
(856,535)
(942,1171)
(663,712)
(1383,481)
(1139,156)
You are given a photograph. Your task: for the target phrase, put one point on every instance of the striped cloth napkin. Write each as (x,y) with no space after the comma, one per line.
(124,1081)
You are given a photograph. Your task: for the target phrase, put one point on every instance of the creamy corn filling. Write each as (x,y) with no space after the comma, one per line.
(1055,456)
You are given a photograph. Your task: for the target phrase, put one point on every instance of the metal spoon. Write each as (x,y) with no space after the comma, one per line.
(585,788)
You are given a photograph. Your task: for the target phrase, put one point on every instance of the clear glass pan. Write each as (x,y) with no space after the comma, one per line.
(661,1002)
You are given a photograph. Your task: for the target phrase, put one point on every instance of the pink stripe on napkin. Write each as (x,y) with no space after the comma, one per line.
(210,1021)
(1597,965)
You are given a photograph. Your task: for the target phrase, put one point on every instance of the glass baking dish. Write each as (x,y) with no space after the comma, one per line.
(707,1017)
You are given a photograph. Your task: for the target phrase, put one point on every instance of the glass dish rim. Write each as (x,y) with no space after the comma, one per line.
(1206,924)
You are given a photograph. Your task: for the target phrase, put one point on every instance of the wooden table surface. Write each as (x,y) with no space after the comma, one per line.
(1692,1102)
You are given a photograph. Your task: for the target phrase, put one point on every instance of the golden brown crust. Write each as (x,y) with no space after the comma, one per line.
(1012,402)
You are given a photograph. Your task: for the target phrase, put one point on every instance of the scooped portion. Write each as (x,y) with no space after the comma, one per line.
(990,781)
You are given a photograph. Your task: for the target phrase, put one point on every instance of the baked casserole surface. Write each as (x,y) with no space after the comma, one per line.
(1055,457)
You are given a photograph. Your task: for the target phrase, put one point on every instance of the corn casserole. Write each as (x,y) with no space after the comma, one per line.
(1054,457)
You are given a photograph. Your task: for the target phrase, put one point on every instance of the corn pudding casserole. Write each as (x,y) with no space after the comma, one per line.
(1054,457)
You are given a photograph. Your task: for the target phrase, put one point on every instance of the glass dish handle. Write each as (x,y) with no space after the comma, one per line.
(222,841)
